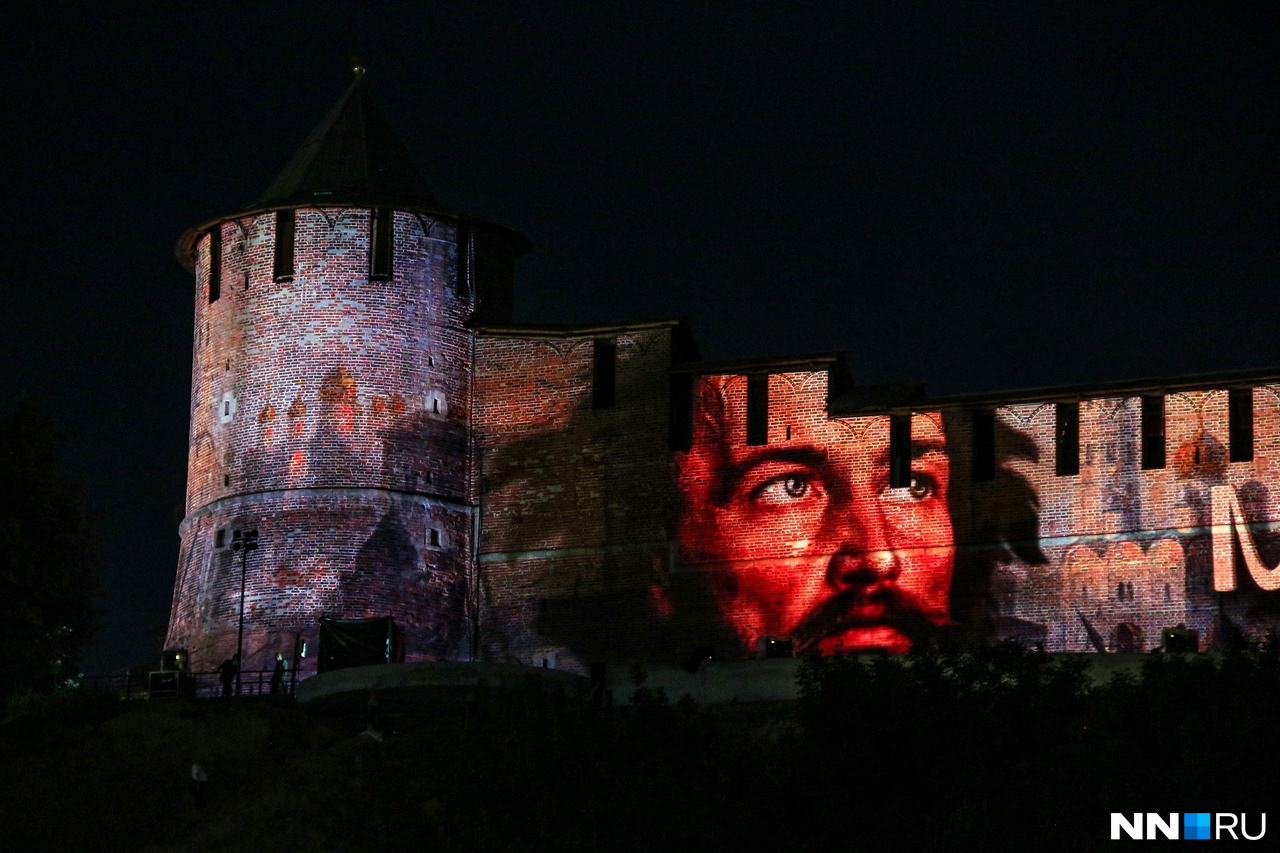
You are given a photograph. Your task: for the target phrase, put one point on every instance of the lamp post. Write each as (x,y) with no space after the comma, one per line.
(243,541)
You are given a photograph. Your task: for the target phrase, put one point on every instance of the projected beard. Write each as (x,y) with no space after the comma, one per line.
(804,538)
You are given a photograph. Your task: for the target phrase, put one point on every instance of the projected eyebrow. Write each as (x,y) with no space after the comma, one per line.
(729,476)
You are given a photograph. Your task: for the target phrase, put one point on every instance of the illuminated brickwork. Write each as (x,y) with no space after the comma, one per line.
(340,551)
(559,496)
(1131,549)
(331,413)
(1030,554)
(329,379)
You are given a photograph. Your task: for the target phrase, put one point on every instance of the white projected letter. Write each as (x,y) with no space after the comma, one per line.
(1228,519)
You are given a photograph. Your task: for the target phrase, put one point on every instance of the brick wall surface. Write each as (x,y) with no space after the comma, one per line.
(595,550)
(349,552)
(577,502)
(363,428)
(1115,523)
(328,380)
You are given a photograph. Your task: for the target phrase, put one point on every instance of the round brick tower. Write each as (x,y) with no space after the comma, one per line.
(330,402)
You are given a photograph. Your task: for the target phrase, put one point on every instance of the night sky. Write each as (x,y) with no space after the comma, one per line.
(978,196)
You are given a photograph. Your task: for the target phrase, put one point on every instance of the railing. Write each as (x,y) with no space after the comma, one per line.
(124,685)
(194,685)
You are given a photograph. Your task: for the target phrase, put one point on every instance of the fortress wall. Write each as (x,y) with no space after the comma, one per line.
(1131,550)
(576,501)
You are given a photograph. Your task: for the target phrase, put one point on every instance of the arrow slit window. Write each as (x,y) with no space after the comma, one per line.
(215,263)
(284,245)
(380,246)
(1240,423)
(1067,444)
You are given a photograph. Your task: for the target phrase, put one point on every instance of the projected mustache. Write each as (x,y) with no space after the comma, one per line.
(896,609)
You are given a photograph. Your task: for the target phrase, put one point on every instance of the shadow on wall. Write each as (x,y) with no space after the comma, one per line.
(580,482)
(387,579)
(1006,527)
(424,452)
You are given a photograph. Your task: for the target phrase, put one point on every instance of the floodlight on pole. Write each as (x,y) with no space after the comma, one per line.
(243,541)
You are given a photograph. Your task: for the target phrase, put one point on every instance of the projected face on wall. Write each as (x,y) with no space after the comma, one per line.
(803,537)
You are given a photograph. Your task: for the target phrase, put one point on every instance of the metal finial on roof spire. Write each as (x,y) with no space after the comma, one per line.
(359,71)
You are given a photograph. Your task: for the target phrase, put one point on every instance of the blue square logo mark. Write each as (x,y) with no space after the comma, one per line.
(1195,825)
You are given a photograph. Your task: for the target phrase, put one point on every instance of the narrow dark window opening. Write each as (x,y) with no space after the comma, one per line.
(1153,432)
(681,432)
(226,479)
(1067,444)
(1240,424)
(984,447)
(758,409)
(220,538)
(604,373)
(215,264)
(899,451)
(284,245)
(466,248)
(380,228)
(435,537)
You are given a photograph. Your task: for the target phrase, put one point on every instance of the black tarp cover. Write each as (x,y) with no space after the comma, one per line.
(358,642)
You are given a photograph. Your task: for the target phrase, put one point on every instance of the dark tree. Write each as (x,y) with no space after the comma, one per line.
(47,554)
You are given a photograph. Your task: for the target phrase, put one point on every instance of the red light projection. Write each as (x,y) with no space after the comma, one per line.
(580,494)
(805,537)
(339,390)
(807,531)
(466,480)
(266,417)
(298,411)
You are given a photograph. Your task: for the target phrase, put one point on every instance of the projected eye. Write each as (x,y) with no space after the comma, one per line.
(921,486)
(782,490)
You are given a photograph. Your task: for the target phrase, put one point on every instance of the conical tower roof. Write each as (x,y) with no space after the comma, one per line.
(352,157)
